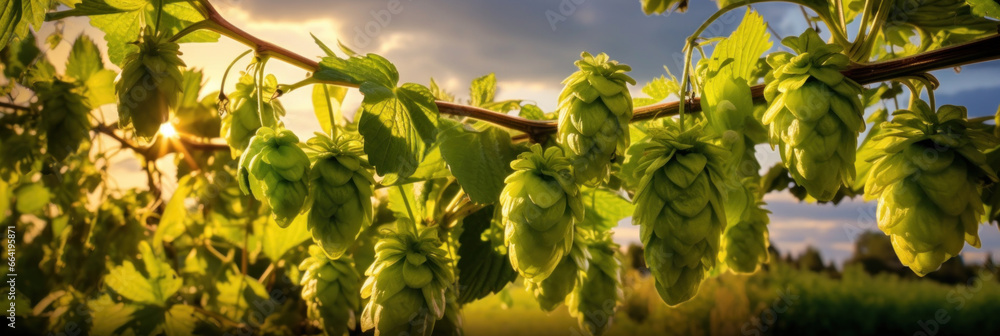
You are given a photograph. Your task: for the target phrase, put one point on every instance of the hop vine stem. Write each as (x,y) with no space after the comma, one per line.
(982,50)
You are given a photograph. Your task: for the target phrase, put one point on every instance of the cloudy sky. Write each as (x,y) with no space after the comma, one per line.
(531,46)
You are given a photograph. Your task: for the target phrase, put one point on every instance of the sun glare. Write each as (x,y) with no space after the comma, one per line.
(167,130)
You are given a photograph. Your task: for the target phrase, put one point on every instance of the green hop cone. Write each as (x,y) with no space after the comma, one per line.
(341,193)
(149,84)
(243,118)
(595,108)
(594,300)
(814,114)
(64,117)
(407,283)
(330,288)
(274,169)
(540,206)
(552,291)
(745,241)
(680,209)
(928,184)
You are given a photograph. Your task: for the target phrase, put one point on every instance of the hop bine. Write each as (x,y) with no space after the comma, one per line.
(593,302)
(149,84)
(553,290)
(814,114)
(594,112)
(540,206)
(745,241)
(341,193)
(331,292)
(680,209)
(407,282)
(64,117)
(929,184)
(243,118)
(273,169)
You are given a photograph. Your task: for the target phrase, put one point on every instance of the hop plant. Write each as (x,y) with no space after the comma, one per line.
(149,85)
(553,290)
(342,191)
(745,241)
(243,118)
(406,284)
(540,206)
(680,209)
(331,292)
(594,300)
(594,111)
(928,184)
(814,114)
(64,117)
(273,169)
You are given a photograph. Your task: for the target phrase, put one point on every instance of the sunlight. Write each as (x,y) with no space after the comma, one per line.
(167,130)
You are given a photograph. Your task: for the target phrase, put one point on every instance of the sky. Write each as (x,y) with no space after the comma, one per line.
(531,46)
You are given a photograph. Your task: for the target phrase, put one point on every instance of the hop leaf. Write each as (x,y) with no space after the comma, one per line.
(149,84)
(594,111)
(330,289)
(680,210)
(814,114)
(540,206)
(274,170)
(341,193)
(406,284)
(927,183)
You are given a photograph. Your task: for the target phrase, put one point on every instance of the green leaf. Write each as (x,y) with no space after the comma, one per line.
(10,16)
(110,318)
(327,101)
(481,269)
(743,47)
(985,8)
(175,214)
(180,320)
(479,159)
(532,111)
(398,126)
(18,56)
(154,287)
(658,89)
(398,201)
(32,198)
(236,296)
(661,6)
(84,59)
(121,21)
(101,88)
(483,90)
(439,93)
(355,70)
(279,240)
(33,15)
(604,209)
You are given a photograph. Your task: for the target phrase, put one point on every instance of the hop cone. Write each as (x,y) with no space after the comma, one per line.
(64,117)
(331,291)
(680,210)
(594,111)
(273,169)
(243,118)
(553,290)
(149,85)
(814,114)
(745,241)
(341,193)
(406,283)
(928,184)
(540,205)
(594,300)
